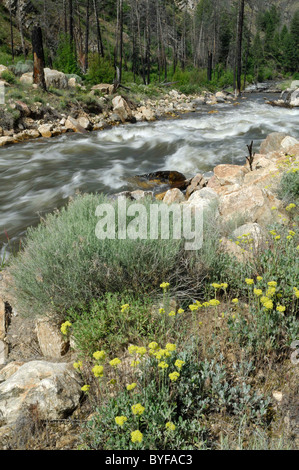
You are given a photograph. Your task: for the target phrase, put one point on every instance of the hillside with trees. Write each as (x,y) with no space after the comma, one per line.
(226,43)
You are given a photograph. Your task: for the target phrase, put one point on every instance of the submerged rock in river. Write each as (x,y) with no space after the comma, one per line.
(173,179)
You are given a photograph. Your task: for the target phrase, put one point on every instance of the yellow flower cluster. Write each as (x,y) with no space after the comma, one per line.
(124,307)
(131,386)
(65,328)
(174,376)
(99,355)
(136,436)
(163,365)
(153,346)
(258,292)
(98,371)
(120,420)
(85,388)
(170,426)
(179,364)
(296,292)
(137,409)
(164,286)
(115,362)
(290,207)
(170,347)
(224,285)
(78,365)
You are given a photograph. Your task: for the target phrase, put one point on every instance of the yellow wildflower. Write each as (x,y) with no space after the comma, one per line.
(153,345)
(280,308)
(235,301)
(193,307)
(120,420)
(137,409)
(115,362)
(214,302)
(258,292)
(163,365)
(98,371)
(99,355)
(180,310)
(136,436)
(174,376)
(141,351)
(164,286)
(179,364)
(268,305)
(132,349)
(170,426)
(65,327)
(170,347)
(78,365)
(249,281)
(85,388)
(131,386)
(272,283)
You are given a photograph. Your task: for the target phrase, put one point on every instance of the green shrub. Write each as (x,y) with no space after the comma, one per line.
(64,265)
(8,76)
(289,186)
(104,325)
(100,70)
(23,67)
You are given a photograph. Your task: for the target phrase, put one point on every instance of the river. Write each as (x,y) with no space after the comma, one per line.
(39,176)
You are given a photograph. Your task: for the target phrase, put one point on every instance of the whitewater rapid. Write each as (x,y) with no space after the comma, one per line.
(39,176)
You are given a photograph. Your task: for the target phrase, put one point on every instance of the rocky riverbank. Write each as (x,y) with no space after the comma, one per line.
(71,107)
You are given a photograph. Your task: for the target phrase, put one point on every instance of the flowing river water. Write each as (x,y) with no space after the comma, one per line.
(38,176)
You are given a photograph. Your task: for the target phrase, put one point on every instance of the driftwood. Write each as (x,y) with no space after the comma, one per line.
(250,158)
(280,103)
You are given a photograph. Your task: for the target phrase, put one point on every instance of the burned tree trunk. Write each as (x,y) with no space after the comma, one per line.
(38,58)
(239,46)
(210,66)
(11,34)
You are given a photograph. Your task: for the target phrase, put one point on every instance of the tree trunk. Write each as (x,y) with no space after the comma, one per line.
(210,62)
(11,33)
(239,46)
(21,29)
(86,38)
(64,16)
(71,21)
(38,58)
(99,35)
(121,31)
(148,44)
